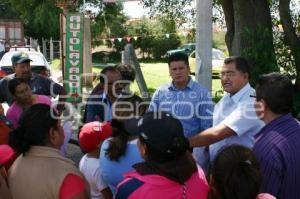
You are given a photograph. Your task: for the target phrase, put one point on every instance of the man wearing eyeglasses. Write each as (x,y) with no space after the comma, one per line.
(277,145)
(234,118)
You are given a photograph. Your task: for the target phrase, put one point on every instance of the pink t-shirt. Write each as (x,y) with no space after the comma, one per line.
(14,112)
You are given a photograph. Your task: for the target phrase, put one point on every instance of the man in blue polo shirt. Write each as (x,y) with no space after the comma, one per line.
(187,100)
(277,145)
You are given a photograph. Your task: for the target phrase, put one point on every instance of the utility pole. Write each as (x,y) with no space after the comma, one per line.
(204,42)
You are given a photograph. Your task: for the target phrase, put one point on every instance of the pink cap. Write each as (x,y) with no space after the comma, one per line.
(92,133)
(6,153)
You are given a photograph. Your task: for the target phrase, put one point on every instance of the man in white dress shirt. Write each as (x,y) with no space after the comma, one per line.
(234,118)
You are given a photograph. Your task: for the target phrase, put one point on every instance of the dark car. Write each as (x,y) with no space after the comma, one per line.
(186,48)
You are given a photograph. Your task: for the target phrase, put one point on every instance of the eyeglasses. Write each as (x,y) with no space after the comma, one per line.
(256,97)
(228,74)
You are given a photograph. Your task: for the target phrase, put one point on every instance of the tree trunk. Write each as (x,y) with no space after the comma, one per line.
(290,36)
(227,6)
(249,33)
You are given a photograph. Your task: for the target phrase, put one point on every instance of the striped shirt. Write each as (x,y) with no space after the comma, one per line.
(277,148)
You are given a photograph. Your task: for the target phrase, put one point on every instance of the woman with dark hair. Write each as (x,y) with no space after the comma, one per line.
(24,98)
(120,152)
(169,170)
(41,171)
(235,174)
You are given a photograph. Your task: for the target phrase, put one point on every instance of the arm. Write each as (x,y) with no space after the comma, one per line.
(154,104)
(107,193)
(61,100)
(95,110)
(74,187)
(211,135)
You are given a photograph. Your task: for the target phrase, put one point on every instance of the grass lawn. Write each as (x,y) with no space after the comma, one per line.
(156,74)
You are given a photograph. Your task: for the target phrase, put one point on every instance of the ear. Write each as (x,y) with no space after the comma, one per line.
(53,134)
(143,149)
(246,75)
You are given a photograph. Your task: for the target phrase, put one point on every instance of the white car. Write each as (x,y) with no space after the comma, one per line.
(38,65)
(218,57)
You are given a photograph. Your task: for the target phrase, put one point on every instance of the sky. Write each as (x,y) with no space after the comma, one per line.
(134,9)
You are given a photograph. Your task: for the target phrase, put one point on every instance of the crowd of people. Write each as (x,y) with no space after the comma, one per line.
(178,145)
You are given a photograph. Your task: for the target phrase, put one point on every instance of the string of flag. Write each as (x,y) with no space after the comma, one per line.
(135,37)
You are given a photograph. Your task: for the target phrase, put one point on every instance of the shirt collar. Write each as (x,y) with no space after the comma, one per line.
(281,119)
(190,85)
(237,96)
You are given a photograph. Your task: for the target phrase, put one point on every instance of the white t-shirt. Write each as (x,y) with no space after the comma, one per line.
(92,173)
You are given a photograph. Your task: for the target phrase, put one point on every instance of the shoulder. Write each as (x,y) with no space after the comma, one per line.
(265,196)
(164,88)
(127,187)
(196,87)
(104,146)
(44,98)
(42,79)
(4,81)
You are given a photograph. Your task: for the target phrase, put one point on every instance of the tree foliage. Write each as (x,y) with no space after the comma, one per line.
(109,22)
(7,10)
(156,36)
(40,18)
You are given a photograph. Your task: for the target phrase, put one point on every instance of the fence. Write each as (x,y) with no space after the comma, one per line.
(51,49)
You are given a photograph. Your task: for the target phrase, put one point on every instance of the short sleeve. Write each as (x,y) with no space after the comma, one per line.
(243,119)
(100,184)
(154,104)
(55,88)
(13,116)
(71,186)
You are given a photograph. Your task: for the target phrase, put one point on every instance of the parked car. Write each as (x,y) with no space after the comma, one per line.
(22,48)
(218,57)
(186,48)
(38,65)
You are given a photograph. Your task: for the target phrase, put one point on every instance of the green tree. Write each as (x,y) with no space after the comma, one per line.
(109,22)
(40,18)
(156,36)
(7,10)
(249,28)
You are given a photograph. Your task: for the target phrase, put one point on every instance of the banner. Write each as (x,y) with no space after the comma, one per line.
(74,56)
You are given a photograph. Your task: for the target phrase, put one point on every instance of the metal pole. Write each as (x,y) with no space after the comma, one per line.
(51,49)
(44,48)
(204,42)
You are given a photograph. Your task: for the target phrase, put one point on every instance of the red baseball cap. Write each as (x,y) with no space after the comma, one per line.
(6,154)
(92,133)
